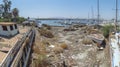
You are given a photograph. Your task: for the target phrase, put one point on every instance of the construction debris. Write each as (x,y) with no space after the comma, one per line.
(69,49)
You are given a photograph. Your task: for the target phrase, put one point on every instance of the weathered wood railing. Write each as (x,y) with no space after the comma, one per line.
(17,50)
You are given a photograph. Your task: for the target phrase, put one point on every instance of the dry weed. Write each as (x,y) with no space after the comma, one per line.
(46,33)
(86,41)
(58,50)
(47,26)
(64,45)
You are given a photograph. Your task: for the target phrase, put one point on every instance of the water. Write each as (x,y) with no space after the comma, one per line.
(51,22)
(63,22)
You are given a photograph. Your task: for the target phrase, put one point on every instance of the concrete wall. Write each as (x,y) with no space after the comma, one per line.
(9,32)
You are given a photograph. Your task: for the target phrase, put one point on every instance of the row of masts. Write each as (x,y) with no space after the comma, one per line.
(98,13)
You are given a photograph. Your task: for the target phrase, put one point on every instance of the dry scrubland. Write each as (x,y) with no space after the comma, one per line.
(55,47)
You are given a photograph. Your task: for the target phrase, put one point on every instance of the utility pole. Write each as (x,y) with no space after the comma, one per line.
(98,11)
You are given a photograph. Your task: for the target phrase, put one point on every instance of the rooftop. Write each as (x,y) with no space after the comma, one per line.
(7,23)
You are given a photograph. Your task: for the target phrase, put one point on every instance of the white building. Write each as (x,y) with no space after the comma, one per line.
(8,29)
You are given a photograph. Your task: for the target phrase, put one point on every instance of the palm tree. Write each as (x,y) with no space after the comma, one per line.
(15,13)
(9,5)
(1,10)
(6,7)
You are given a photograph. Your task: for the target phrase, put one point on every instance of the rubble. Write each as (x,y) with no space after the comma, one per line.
(72,49)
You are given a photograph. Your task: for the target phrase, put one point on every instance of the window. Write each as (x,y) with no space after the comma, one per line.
(15,26)
(11,27)
(4,28)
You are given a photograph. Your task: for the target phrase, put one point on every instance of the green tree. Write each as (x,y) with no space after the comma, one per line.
(1,10)
(6,8)
(15,13)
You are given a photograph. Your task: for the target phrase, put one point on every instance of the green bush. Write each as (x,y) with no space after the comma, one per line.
(106,30)
(21,19)
(5,20)
(18,19)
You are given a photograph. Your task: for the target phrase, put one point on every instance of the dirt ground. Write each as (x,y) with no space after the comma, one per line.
(76,55)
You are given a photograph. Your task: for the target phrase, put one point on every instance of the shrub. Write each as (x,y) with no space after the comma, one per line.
(46,33)
(86,41)
(106,30)
(41,57)
(57,49)
(36,49)
(5,20)
(64,46)
(39,48)
(46,43)
(21,19)
(40,61)
(27,41)
(46,26)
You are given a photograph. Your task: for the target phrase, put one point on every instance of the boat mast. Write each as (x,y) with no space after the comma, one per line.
(92,12)
(116,20)
(88,16)
(98,11)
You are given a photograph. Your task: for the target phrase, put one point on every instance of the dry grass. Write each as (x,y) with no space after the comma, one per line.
(94,31)
(45,42)
(39,48)
(87,41)
(57,50)
(47,26)
(40,61)
(27,41)
(46,33)
(64,45)
(69,29)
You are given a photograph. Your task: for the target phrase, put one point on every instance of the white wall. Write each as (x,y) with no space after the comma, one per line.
(9,32)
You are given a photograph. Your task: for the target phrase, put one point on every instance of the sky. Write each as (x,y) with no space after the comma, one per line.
(64,8)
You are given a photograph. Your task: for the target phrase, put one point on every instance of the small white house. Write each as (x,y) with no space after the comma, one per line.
(8,29)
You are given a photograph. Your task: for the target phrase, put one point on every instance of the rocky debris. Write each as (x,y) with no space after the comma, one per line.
(70,49)
(1,39)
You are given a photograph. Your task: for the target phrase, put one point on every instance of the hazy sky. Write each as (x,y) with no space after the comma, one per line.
(64,8)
